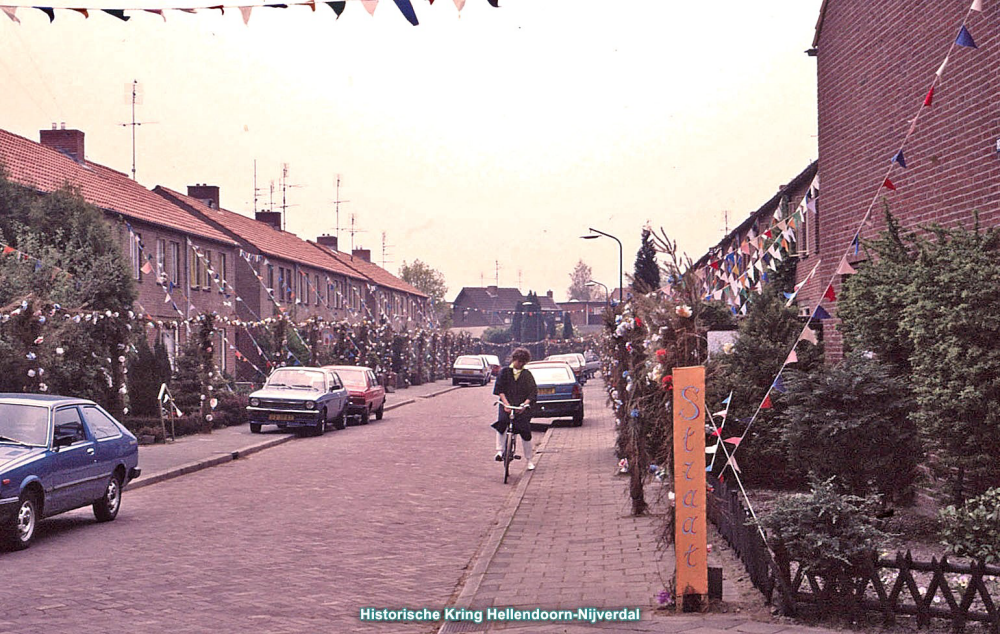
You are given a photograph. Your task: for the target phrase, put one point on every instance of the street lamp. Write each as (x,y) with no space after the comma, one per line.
(607,293)
(621,255)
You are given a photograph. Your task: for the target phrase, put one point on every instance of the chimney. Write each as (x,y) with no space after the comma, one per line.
(208,194)
(491,290)
(69,142)
(328,241)
(272,218)
(362,254)
(549,294)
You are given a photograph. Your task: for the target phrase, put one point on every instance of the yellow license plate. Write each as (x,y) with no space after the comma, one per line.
(281,417)
(546,390)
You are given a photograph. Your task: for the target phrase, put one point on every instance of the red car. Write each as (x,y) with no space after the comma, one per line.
(365,396)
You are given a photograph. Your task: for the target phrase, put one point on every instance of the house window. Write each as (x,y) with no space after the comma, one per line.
(194,268)
(161,258)
(135,254)
(175,262)
(319,298)
(223,350)
(207,280)
(281,283)
(170,345)
(270,278)
(223,282)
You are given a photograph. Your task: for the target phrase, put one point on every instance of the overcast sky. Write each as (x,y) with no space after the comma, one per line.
(486,135)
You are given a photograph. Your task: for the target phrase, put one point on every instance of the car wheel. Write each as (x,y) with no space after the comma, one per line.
(365,415)
(255,428)
(320,428)
(340,422)
(454,381)
(380,411)
(106,509)
(578,419)
(21,530)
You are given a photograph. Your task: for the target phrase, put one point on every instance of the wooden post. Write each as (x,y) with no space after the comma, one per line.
(690,539)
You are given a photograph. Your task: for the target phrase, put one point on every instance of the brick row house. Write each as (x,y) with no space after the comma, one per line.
(189,256)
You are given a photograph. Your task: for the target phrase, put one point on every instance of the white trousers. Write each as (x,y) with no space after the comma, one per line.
(525,446)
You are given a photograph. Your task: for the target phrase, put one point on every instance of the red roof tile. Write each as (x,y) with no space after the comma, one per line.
(270,241)
(44,169)
(377,274)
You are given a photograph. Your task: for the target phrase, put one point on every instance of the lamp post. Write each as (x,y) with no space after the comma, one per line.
(621,256)
(607,293)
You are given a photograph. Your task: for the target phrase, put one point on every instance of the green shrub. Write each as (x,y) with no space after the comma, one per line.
(851,421)
(829,534)
(973,529)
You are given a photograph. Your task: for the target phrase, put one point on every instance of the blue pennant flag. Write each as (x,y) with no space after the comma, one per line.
(764,277)
(788,295)
(965,38)
(820,313)
(898,158)
(728,398)
(778,385)
(855,243)
(407,10)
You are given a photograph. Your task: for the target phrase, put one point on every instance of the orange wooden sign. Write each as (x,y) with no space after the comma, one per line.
(690,540)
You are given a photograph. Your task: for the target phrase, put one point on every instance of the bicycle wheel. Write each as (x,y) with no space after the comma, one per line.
(508,454)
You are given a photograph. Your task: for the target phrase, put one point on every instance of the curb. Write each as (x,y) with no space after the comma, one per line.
(488,548)
(389,408)
(444,391)
(198,465)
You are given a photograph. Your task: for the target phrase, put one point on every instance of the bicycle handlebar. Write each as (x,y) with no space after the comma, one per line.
(517,407)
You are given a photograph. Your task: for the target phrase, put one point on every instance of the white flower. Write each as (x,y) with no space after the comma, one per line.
(727,348)
(125,411)
(208,417)
(123,390)
(31,373)
(43,388)
(60,351)
(683,311)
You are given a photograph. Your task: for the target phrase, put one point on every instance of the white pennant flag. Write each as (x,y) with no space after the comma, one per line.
(710,449)
(460,4)
(10,11)
(370,5)
(809,335)
(977,5)
(245,11)
(845,268)
(943,64)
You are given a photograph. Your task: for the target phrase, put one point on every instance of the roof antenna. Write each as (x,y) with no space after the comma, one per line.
(133,91)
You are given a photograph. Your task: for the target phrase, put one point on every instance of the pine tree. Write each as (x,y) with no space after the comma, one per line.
(647,271)
(143,381)
(567,326)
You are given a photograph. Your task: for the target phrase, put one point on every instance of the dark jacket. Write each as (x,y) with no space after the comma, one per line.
(517,392)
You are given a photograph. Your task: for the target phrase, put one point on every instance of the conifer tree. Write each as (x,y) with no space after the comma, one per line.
(647,271)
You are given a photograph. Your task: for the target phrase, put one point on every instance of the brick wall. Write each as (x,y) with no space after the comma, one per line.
(876,61)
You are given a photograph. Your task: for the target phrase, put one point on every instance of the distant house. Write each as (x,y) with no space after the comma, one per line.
(479,306)
(584,313)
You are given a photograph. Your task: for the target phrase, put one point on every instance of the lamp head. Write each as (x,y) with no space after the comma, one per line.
(590,236)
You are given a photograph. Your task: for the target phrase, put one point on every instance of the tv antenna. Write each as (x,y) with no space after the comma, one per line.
(337,208)
(353,231)
(385,247)
(133,92)
(519,279)
(496,281)
(284,196)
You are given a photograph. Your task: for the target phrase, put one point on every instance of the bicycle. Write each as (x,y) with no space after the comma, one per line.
(510,440)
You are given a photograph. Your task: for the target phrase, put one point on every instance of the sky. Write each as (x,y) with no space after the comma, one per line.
(490,135)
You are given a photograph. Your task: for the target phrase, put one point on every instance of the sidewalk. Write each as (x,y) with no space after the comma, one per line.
(566,540)
(200,451)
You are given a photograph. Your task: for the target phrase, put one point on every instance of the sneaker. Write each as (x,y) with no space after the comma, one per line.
(531,466)
(499,456)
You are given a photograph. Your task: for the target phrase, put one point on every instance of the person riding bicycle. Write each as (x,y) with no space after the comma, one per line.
(516,386)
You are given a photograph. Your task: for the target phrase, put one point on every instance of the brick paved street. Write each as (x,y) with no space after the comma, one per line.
(293,539)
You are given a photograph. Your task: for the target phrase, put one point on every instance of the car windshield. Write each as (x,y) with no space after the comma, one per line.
(353,378)
(24,424)
(471,362)
(554,374)
(568,358)
(296,378)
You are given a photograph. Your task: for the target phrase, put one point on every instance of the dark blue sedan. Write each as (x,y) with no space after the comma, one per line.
(57,454)
(559,392)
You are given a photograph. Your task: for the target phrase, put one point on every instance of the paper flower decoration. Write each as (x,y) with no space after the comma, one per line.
(727,348)
(208,417)
(661,355)
(664,598)
(31,373)
(60,351)
(683,311)
(623,465)
(30,356)
(668,382)
(43,388)
(213,403)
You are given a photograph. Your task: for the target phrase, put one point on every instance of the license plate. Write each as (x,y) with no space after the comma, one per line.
(281,417)
(466,372)
(546,390)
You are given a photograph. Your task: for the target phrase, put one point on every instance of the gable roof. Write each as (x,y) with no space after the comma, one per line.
(374,272)
(47,170)
(819,23)
(489,299)
(268,240)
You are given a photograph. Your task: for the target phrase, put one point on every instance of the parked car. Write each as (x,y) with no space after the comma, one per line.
(593,364)
(472,369)
(559,392)
(299,398)
(575,361)
(59,453)
(365,396)
(494,363)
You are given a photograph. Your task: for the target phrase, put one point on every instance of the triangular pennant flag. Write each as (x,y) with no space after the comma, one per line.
(735,440)
(147,268)
(370,5)
(977,5)
(49,12)
(311,4)
(118,13)
(898,158)
(11,11)
(459,4)
(276,6)
(720,414)
(494,3)
(809,335)
(245,12)
(940,69)
(82,12)
(965,38)
(929,98)
(732,463)
(767,402)
(829,295)
(728,398)
(221,8)
(779,385)
(856,243)
(792,358)
(789,296)
(845,268)
(820,313)
(716,432)
(888,185)
(711,449)
(407,10)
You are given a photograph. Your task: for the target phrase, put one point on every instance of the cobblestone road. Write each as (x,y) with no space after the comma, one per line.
(294,539)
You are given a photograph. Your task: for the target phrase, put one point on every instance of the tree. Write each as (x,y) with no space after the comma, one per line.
(578,279)
(430,282)
(567,326)
(647,271)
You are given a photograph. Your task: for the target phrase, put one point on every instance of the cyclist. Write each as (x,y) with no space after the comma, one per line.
(516,386)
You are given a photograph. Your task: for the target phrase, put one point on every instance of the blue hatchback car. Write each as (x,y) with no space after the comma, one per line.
(57,454)
(559,392)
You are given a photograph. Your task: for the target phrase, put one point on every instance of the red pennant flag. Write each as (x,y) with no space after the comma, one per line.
(82,12)
(929,98)
(888,185)
(829,295)
(8,250)
(716,433)
(767,402)
(735,440)
(147,268)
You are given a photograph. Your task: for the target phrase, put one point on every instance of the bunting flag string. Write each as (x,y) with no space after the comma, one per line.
(964,39)
(21,256)
(405,8)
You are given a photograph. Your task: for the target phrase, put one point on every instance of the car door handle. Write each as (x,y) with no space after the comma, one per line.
(90,451)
